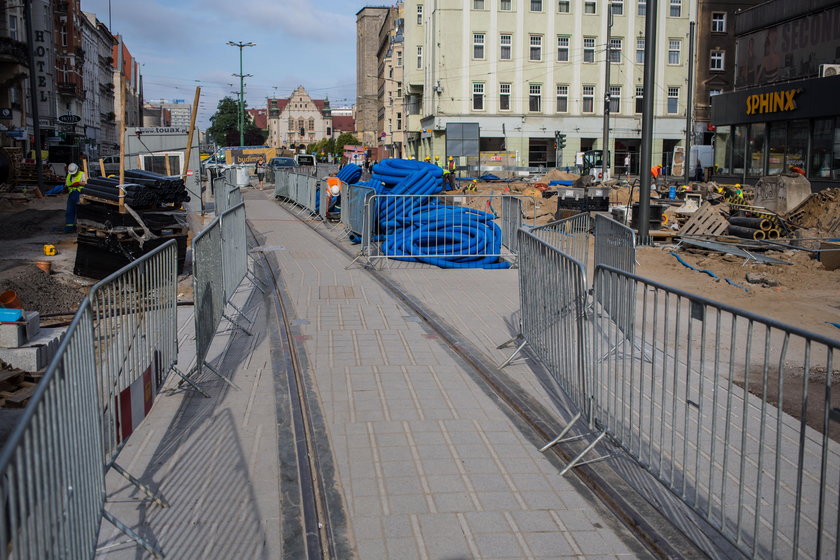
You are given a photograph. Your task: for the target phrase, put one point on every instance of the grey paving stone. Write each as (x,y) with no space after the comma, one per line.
(367,528)
(548,545)
(489,482)
(397,526)
(491,545)
(408,503)
(372,550)
(536,521)
(543,500)
(453,502)
(399,468)
(403,485)
(487,522)
(404,549)
(445,483)
(434,451)
(498,501)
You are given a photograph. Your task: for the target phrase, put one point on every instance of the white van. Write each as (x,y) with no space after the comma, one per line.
(308,161)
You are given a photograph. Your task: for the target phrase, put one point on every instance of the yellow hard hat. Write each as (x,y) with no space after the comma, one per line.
(410,157)
(437,158)
(451,158)
(427,158)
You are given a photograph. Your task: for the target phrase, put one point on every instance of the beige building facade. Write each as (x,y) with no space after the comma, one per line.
(298,120)
(391,121)
(522,70)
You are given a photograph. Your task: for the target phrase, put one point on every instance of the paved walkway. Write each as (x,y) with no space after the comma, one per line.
(421,461)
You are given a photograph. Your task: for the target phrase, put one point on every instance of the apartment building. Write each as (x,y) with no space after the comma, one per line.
(369,22)
(14,70)
(505,75)
(390,99)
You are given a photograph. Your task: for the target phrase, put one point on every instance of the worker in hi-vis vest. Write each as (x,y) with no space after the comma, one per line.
(74,183)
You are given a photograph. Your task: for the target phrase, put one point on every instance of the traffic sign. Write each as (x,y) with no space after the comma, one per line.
(5,113)
(69,119)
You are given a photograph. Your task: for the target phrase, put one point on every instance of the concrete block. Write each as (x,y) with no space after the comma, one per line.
(35,354)
(14,335)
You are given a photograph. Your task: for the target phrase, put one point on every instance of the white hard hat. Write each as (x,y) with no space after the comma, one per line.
(72,168)
(335,190)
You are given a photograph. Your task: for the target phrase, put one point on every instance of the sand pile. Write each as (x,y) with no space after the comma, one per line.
(557,175)
(821,211)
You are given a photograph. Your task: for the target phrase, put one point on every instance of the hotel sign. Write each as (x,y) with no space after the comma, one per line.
(772,102)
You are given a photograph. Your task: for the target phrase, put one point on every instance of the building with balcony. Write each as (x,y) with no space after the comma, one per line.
(783,112)
(298,120)
(390,100)
(14,73)
(98,115)
(127,80)
(505,75)
(70,58)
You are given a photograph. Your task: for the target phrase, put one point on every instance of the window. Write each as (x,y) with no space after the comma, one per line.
(536,48)
(563,6)
(562,49)
(674,51)
(676,8)
(673,100)
(640,99)
(478,96)
(617,7)
(291,124)
(399,90)
(419,57)
(718,22)
(590,7)
(13,34)
(640,50)
(589,49)
(716,60)
(419,14)
(562,99)
(399,58)
(615,99)
(505,42)
(712,93)
(478,46)
(615,50)
(311,124)
(478,4)
(588,99)
(301,126)
(505,5)
(535,97)
(504,97)
(641,8)
(399,121)
(536,5)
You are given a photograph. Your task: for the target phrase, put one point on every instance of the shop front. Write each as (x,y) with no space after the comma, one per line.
(768,130)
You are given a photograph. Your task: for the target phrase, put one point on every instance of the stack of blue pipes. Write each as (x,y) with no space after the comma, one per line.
(422,228)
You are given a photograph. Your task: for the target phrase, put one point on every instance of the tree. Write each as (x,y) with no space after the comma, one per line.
(224,128)
(344,139)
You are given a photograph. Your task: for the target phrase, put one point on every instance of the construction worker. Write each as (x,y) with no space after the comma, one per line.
(427,159)
(74,183)
(333,194)
(448,176)
(656,171)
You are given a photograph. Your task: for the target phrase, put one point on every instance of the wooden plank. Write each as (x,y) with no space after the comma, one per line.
(707,220)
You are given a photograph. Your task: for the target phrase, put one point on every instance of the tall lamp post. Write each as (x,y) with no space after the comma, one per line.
(242,77)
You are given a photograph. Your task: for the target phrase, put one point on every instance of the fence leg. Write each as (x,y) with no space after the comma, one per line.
(560,437)
(255,281)
(186,377)
(242,313)
(514,355)
(152,549)
(580,455)
(157,498)
(220,376)
(237,325)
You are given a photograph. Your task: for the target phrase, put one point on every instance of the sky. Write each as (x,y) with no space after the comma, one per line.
(182,44)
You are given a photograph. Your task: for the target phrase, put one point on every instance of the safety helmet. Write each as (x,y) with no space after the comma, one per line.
(72,169)
(437,158)
(410,158)
(451,158)
(427,158)
(335,190)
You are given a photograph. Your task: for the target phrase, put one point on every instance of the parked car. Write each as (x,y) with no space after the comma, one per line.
(308,161)
(276,163)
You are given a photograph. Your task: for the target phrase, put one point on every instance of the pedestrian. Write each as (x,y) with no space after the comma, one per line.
(627,164)
(698,172)
(74,183)
(259,168)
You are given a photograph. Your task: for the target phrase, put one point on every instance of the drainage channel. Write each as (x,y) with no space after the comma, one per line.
(649,525)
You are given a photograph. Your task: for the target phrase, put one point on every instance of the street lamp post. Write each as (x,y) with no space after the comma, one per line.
(242,77)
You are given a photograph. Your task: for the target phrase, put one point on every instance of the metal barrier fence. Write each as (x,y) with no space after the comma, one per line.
(234,248)
(234,197)
(53,484)
(511,221)
(303,190)
(435,226)
(570,235)
(354,199)
(615,244)
(136,342)
(208,287)
(281,183)
(553,300)
(728,410)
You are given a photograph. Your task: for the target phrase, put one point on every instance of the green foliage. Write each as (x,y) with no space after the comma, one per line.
(344,139)
(224,128)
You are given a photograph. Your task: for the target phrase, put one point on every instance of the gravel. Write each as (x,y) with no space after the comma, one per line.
(41,292)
